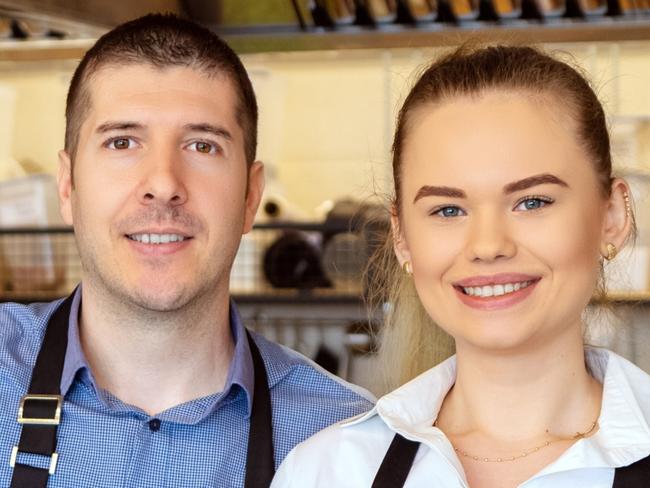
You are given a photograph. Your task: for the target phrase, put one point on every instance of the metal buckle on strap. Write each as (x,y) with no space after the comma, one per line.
(53,460)
(37,420)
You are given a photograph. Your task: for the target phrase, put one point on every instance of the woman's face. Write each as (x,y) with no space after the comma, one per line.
(502,218)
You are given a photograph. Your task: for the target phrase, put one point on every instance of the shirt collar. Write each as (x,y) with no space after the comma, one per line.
(75,360)
(240,373)
(624,424)
(623,435)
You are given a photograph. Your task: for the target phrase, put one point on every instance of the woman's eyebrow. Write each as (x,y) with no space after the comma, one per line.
(447,191)
(439,191)
(531,181)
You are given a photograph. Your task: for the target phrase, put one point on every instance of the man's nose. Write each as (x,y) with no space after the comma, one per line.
(162,181)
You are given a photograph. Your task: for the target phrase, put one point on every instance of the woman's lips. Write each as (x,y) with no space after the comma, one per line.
(495,296)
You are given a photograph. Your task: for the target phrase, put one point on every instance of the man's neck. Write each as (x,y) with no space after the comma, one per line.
(156,360)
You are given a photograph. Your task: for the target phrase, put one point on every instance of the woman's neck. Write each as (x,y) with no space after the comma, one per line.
(518,396)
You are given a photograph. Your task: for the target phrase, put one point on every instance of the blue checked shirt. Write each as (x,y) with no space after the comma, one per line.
(104,443)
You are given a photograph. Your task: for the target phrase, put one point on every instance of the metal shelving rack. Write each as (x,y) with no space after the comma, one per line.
(30,257)
(61,241)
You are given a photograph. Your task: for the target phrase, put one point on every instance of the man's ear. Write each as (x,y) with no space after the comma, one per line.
(619,217)
(254,193)
(399,242)
(65,186)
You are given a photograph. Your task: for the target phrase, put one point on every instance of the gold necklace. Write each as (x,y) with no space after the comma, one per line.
(526,452)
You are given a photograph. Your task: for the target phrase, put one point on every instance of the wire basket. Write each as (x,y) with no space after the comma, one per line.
(274,260)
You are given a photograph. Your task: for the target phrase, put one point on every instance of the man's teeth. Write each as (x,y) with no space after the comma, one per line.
(495,290)
(156,238)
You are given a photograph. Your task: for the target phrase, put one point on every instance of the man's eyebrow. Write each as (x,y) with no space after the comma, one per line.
(111,126)
(531,181)
(212,129)
(438,191)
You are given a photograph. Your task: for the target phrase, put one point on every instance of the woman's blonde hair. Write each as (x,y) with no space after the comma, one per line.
(410,342)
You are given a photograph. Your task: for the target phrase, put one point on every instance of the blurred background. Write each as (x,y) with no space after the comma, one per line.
(329,76)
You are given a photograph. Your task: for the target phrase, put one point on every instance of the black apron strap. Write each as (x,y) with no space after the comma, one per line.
(29,477)
(40,409)
(397,463)
(260,459)
(636,475)
(399,458)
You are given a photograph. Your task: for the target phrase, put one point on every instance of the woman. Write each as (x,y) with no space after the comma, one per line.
(505,210)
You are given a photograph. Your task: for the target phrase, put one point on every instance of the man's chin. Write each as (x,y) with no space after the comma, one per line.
(161,301)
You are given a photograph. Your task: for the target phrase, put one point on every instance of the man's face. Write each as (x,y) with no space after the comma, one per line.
(160,199)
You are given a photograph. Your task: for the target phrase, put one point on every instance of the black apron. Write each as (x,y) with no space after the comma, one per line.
(399,458)
(40,412)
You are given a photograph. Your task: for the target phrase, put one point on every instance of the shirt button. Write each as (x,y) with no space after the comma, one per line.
(154,425)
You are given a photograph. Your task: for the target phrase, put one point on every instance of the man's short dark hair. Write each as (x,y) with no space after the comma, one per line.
(162,40)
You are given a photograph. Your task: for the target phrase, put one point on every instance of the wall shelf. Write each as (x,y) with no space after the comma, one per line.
(434,34)
(628,298)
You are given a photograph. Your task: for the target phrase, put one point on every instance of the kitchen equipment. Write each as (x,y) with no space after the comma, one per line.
(586,8)
(344,260)
(501,9)
(353,232)
(628,7)
(293,261)
(545,9)
(417,10)
(6,31)
(459,10)
(330,13)
(373,12)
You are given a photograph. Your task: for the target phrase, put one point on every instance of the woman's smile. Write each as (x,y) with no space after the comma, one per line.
(496,291)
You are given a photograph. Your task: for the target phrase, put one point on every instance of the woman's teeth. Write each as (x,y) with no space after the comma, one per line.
(156,238)
(495,290)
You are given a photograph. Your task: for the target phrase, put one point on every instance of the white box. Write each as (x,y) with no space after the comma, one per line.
(30,260)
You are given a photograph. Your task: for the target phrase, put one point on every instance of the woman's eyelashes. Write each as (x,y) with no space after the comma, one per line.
(533,202)
(448,211)
(526,204)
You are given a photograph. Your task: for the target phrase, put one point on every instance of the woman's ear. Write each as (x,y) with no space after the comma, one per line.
(619,218)
(399,242)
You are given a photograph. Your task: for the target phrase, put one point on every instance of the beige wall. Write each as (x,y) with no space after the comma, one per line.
(327,117)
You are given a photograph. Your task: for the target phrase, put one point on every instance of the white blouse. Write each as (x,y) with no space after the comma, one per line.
(348,454)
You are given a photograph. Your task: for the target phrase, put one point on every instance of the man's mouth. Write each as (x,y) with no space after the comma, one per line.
(157,238)
(495,290)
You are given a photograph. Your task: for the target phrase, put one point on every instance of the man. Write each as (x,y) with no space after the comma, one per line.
(160,383)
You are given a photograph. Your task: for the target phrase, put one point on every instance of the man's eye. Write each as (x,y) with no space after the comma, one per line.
(203,147)
(533,203)
(120,143)
(448,212)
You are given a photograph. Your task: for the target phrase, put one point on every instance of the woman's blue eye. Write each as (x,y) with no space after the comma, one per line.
(533,203)
(449,212)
